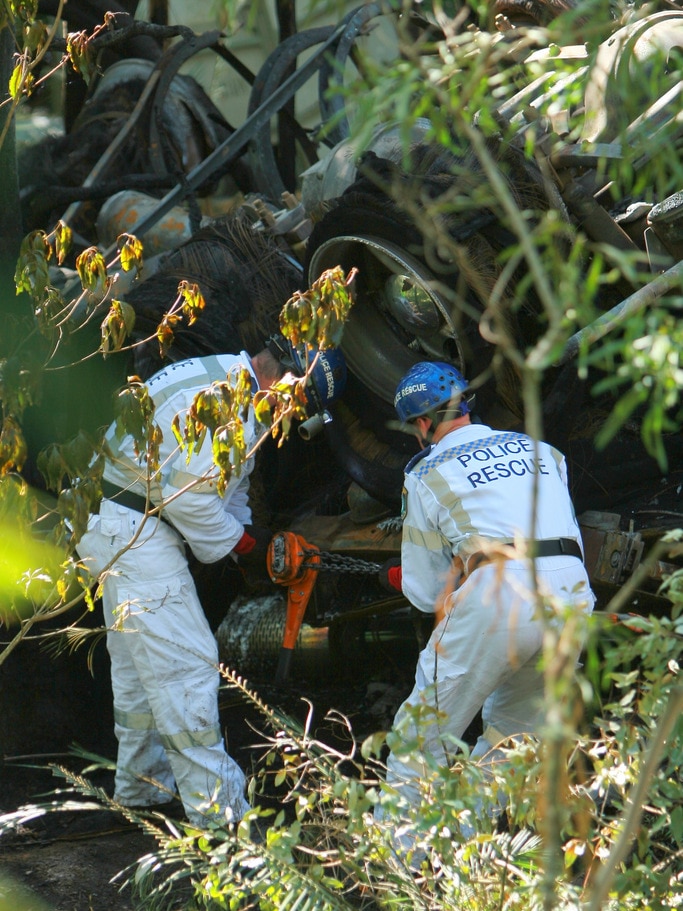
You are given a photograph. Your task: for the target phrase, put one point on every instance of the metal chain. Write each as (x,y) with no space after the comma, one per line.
(338,563)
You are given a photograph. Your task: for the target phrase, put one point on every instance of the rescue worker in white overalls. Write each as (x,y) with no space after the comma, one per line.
(164,658)
(477,504)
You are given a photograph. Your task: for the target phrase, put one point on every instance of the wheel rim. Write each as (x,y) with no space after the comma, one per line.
(399,316)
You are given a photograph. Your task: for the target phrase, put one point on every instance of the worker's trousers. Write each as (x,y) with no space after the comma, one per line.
(164,667)
(484,654)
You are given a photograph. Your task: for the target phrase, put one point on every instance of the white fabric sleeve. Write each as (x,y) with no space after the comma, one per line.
(206,520)
(426,555)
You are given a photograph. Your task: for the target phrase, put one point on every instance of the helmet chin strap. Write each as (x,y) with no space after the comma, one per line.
(453,411)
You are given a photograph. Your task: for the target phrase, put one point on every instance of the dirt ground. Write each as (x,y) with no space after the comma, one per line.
(48,865)
(71,875)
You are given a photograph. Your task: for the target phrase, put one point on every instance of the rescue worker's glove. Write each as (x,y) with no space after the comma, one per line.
(251,550)
(390,575)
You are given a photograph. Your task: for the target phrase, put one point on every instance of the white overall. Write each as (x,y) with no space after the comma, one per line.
(474,487)
(164,658)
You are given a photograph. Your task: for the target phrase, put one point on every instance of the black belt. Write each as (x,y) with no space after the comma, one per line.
(555,547)
(129,499)
(550,547)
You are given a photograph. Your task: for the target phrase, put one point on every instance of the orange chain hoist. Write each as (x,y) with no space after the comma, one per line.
(293,562)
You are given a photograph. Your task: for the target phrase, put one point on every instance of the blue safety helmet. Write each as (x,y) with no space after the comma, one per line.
(428,387)
(328,378)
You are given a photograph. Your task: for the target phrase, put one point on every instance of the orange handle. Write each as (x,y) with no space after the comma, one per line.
(285,558)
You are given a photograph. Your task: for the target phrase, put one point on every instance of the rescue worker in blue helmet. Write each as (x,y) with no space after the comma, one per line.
(164,658)
(478,505)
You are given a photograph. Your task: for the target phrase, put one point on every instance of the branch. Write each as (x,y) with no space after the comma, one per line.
(634,811)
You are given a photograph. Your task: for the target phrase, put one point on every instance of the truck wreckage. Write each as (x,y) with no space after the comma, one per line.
(332,538)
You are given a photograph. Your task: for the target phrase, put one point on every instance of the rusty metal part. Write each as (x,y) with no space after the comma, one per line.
(612,555)
(127,207)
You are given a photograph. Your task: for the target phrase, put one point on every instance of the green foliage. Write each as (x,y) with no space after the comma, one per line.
(73,471)
(189,305)
(13,450)
(219,411)
(79,49)
(130,251)
(32,274)
(477,837)
(117,326)
(647,362)
(92,271)
(313,319)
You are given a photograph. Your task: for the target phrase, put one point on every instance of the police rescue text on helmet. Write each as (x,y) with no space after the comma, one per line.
(427,387)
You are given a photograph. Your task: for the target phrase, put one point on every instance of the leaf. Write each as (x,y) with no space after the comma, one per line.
(16,500)
(134,408)
(63,241)
(16,81)
(372,745)
(92,270)
(35,34)
(48,310)
(165,335)
(51,466)
(116,326)
(13,449)
(262,408)
(19,386)
(80,54)
(75,505)
(77,454)
(193,301)
(676,825)
(31,274)
(316,317)
(130,251)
